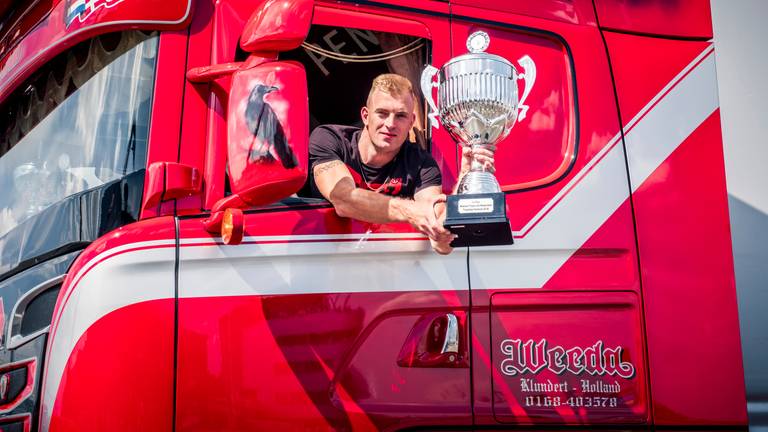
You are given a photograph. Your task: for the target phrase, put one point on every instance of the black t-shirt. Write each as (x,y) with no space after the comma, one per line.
(412,170)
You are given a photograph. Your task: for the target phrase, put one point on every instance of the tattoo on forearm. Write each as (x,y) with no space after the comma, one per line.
(326,166)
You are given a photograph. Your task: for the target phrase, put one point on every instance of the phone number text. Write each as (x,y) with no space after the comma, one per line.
(573,401)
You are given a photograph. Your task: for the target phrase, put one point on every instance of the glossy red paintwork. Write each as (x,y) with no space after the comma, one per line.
(674,18)
(330,16)
(607,261)
(119,376)
(209,74)
(332,358)
(684,251)
(570,11)
(329,363)
(21,17)
(203,125)
(643,66)
(123,386)
(685,256)
(51,36)
(169,180)
(277,25)
(163,142)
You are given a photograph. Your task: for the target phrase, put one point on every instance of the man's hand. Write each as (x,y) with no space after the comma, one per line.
(439,237)
(421,215)
(483,155)
(442,245)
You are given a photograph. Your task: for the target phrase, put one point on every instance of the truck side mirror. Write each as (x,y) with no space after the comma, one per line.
(267,141)
(267,112)
(267,134)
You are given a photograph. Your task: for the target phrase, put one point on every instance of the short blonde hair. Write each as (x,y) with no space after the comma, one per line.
(392,84)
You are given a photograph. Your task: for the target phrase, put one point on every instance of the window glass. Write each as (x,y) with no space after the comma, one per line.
(80,122)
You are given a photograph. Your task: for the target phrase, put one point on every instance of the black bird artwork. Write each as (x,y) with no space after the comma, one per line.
(266,129)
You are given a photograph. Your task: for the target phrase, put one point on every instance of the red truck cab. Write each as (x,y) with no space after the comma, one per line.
(163,267)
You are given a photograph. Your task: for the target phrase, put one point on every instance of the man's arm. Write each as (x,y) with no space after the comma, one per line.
(335,183)
(435,196)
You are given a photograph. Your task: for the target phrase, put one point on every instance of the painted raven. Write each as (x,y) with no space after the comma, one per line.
(266,128)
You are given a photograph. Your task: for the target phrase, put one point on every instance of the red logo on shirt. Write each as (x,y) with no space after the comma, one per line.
(392,187)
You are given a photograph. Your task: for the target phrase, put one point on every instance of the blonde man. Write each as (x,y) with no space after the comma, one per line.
(373,174)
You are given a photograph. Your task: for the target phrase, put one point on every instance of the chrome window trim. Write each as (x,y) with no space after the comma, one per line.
(13,337)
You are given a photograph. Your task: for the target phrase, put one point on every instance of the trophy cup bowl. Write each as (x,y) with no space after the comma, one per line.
(477,99)
(477,102)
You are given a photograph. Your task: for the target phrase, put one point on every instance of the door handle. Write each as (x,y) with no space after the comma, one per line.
(451,337)
(435,341)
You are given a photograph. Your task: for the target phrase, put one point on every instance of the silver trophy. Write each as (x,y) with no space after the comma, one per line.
(477,102)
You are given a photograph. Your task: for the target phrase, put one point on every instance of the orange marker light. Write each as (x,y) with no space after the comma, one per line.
(232,226)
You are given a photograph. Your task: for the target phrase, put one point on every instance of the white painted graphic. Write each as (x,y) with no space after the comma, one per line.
(532,357)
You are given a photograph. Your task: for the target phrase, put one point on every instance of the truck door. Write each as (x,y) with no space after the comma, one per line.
(316,322)
(556,319)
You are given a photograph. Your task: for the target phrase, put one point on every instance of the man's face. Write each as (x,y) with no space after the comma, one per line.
(388,119)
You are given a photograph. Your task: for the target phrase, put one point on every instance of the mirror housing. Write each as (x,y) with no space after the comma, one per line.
(268,133)
(277,25)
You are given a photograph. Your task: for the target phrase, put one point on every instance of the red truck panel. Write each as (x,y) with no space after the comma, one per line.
(578,355)
(615,306)
(109,361)
(669,18)
(674,152)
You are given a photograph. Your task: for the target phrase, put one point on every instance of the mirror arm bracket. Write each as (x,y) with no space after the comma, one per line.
(171,180)
(213,223)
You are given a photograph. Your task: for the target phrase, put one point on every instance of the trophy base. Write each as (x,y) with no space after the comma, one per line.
(478,219)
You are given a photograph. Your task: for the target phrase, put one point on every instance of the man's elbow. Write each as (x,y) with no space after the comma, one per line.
(342,208)
(341,198)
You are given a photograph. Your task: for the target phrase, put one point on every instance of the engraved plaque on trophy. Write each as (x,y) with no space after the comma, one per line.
(478,104)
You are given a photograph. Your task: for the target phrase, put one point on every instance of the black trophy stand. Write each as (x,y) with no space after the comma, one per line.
(478,219)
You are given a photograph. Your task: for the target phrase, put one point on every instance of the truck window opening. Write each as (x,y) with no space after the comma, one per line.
(342,62)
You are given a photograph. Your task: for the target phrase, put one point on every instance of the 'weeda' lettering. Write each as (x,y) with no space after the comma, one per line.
(533,357)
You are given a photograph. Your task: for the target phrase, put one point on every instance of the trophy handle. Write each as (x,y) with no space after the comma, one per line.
(529,75)
(427,82)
